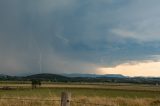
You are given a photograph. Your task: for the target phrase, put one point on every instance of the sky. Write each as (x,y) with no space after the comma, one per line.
(80,36)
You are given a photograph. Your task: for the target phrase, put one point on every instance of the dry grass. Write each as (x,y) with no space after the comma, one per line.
(120,101)
(28,101)
(83,101)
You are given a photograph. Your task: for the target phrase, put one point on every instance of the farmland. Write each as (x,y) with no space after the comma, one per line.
(103,93)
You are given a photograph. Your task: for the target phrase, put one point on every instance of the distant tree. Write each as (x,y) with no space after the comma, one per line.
(36,83)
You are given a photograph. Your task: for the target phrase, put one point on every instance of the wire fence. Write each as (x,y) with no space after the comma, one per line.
(78,103)
(42,102)
(28,99)
(28,102)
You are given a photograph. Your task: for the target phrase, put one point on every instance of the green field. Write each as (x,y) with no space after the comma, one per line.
(90,90)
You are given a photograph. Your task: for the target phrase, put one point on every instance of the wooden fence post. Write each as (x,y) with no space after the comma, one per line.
(65,99)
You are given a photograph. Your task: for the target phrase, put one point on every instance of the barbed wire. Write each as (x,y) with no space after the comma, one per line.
(31,99)
(88,103)
(55,100)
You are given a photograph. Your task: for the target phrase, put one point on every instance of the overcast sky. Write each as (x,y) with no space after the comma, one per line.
(79,36)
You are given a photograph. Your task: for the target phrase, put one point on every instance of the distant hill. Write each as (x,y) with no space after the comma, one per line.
(81,75)
(113,76)
(3,76)
(95,75)
(47,77)
(7,77)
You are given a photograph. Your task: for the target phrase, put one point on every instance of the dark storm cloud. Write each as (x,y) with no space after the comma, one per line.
(76,36)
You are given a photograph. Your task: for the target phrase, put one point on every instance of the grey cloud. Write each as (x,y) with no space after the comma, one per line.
(76,36)
(139,20)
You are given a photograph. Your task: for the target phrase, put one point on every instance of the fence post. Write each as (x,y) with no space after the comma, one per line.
(65,99)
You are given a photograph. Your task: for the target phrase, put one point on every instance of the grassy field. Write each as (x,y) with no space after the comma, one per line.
(109,93)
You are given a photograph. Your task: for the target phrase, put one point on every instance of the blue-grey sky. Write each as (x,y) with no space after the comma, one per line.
(77,36)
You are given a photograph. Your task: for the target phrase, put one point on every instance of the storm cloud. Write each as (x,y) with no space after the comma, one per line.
(76,36)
